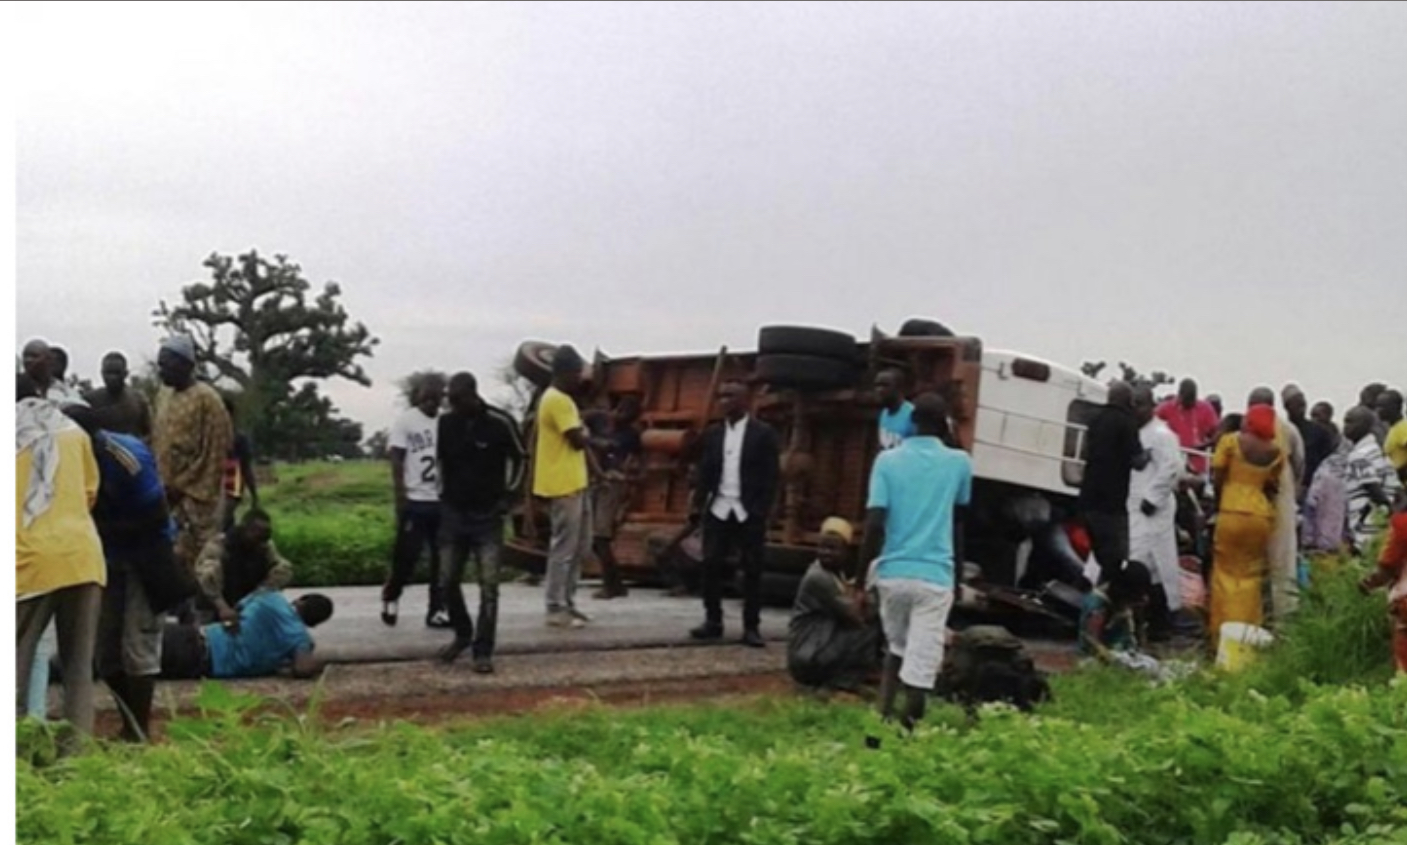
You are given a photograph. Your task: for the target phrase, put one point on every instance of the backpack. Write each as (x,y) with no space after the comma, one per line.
(988,663)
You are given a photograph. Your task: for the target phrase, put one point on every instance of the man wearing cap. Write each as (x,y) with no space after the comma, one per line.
(559,476)
(191,438)
(833,640)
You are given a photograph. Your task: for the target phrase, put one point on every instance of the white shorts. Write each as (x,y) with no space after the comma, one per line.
(915,619)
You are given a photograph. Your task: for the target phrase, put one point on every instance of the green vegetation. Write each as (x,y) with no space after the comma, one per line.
(334,521)
(1275,755)
(1155,767)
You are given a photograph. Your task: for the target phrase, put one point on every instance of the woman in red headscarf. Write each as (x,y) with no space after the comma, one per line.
(1246,473)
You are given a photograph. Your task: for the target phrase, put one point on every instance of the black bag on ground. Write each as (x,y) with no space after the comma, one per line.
(988,663)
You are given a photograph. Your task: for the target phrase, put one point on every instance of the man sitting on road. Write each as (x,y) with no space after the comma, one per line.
(236,563)
(271,634)
(834,641)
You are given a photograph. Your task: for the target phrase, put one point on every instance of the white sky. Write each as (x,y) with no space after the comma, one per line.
(1213,189)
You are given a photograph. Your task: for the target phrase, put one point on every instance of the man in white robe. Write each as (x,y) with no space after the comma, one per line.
(1152,503)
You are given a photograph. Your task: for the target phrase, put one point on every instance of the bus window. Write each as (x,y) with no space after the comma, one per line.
(1077,419)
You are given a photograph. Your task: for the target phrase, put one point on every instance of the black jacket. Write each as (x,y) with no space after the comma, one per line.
(760,468)
(481,460)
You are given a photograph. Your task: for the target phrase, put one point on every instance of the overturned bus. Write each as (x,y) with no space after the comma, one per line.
(1021,418)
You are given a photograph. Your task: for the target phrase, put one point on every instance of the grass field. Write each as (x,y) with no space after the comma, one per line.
(1114,761)
(1307,746)
(334,521)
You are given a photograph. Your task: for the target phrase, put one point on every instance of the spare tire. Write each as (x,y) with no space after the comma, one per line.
(805,340)
(921,327)
(806,372)
(533,361)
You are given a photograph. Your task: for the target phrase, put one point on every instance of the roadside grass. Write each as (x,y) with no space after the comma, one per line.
(333,521)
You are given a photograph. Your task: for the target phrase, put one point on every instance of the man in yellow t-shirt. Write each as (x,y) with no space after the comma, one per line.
(59,568)
(1395,446)
(560,476)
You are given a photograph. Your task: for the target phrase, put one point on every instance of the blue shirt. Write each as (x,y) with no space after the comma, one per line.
(896,427)
(130,490)
(270,633)
(920,483)
(1118,628)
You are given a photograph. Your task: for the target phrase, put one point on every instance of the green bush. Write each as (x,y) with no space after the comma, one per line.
(1338,635)
(1154,767)
(334,521)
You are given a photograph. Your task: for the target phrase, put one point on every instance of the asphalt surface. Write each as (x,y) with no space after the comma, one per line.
(638,647)
(644,619)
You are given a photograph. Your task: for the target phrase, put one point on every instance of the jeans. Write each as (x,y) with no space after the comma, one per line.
(720,539)
(37,704)
(417,528)
(464,535)
(571,543)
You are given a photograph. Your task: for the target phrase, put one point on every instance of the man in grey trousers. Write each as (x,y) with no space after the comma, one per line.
(560,476)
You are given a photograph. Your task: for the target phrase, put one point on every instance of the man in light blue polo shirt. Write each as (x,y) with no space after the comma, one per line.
(896,416)
(916,491)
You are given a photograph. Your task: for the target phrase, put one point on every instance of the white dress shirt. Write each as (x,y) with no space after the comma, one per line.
(728,499)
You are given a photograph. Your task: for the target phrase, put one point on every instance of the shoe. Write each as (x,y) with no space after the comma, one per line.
(753,639)
(438,619)
(483,666)
(608,593)
(389,612)
(563,619)
(707,631)
(579,616)
(451,652)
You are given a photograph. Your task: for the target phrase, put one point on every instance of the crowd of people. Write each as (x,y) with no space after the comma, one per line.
(1277,496)
(130,556)
(131,544)
(1247,497)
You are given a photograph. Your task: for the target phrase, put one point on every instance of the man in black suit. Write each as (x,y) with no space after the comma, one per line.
(737,482)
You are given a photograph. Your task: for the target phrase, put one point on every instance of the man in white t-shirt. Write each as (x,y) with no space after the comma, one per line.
(417,484)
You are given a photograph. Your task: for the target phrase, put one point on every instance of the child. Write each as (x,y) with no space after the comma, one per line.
(1108,630)
(1392,570)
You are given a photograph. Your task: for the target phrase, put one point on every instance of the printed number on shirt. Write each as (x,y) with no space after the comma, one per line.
(427,469)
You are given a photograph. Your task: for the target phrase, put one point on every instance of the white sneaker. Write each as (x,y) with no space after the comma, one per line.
(579,616)
(563,619)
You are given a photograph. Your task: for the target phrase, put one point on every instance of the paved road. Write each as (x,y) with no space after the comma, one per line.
(639,643)
(644,619)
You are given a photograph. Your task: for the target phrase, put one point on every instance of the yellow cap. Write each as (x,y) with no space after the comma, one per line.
(839,527)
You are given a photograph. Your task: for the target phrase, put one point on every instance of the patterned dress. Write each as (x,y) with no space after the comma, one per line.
(192,436)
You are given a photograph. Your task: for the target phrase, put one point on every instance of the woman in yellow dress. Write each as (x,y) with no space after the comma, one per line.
(1246,471)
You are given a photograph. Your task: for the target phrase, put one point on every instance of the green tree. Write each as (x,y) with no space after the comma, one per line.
(259,326)
(309,427)
(378,445)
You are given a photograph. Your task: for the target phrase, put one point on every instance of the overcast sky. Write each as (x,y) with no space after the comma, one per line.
(1213,189)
